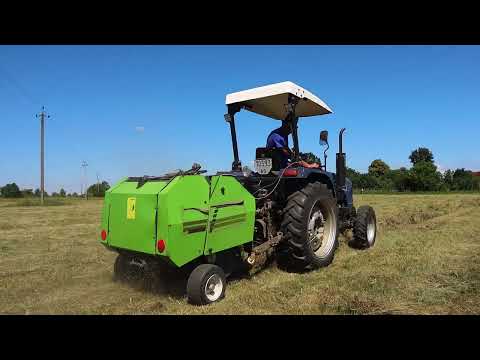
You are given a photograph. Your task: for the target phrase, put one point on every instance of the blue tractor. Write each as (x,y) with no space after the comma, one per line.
(300,211)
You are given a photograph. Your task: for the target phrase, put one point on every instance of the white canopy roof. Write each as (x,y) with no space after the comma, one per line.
(271,100)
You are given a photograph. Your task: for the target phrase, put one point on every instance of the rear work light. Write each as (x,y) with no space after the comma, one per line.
(160,245)
(104,235)
(290,172)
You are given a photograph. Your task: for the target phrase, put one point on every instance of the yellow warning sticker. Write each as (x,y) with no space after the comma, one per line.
(131,208)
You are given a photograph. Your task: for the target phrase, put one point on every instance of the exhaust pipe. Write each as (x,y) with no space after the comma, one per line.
(341,167)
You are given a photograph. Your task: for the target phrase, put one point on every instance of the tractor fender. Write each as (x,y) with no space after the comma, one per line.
(323,177)
(329,179)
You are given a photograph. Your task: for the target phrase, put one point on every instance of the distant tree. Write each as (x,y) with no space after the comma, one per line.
(424,177)
(366,181)
(55,194)
(476,183)
(462,180)
(310,157)
(421,154)
(37,192)
(352,173)
(27,192)
(62,192)
(371,182)
(378,168)
(448,180)
(98,190)
(399,179)
(357,179)
(11,191)
(74,194)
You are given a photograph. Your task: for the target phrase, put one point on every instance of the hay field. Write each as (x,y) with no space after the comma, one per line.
(426,261)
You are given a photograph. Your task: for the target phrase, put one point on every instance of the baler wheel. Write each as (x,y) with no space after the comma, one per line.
(206,284)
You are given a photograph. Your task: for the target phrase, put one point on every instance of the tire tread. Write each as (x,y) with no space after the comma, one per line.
(294,226)
(195,283)
(360,239)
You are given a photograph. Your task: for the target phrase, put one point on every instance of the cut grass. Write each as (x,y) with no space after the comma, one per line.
(425,261)
(36,202)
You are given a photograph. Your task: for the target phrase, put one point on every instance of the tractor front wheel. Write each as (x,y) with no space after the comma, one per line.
(206,284)
(310,227)
(365,228)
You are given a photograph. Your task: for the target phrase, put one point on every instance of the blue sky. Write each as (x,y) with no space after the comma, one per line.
(135,110)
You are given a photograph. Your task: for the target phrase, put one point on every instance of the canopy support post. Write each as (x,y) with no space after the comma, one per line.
(292,120)
(230,118)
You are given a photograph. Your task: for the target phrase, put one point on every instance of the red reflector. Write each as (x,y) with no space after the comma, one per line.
(290,172)
(104,235)
(160,245)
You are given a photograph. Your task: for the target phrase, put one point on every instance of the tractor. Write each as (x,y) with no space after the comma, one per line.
(237,221)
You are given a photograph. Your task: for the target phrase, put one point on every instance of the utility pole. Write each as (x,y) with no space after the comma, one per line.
(98,184)
(42,117)
(84,166)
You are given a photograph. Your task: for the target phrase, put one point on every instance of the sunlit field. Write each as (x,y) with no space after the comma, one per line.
(426,261)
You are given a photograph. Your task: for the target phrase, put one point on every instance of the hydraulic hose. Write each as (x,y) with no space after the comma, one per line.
(278,182)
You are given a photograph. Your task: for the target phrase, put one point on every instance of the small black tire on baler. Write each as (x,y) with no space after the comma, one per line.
(365,228)
(206,284)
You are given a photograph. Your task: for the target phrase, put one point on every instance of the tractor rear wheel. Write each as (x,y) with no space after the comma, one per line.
(365,228)
(310,227)
(206,284)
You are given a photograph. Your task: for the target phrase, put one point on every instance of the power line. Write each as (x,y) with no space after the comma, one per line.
(26,95)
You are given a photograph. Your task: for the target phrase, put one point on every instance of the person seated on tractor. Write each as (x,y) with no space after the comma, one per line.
(278,138)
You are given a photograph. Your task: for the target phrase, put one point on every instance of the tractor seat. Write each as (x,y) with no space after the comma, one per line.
(273,153)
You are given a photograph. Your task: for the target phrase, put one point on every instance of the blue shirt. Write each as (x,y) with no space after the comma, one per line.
(277,140)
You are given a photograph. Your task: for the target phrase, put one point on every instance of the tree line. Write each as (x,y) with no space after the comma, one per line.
(422,176)
(13,191)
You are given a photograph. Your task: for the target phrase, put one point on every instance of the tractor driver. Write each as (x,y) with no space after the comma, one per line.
(278,138)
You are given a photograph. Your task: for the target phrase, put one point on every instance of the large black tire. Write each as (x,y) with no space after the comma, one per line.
(365,228)
(301,252)
(124,271)
(121,268)
(198,290)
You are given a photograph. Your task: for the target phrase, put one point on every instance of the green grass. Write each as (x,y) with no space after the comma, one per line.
(425,262)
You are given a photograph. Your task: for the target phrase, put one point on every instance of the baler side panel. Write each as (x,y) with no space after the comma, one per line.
(132,216)
(231,217)
(183,218)
(105,217)
(106,211)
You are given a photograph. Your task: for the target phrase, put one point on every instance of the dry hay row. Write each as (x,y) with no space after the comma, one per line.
(419,215)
